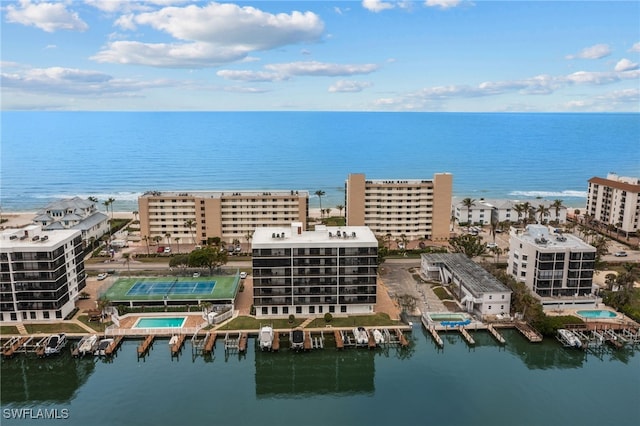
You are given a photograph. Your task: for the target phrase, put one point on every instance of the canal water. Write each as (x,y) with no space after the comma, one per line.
(488,384)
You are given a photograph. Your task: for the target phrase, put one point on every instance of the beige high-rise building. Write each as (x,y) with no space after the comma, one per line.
(416,208)
(229,215)
(615,201)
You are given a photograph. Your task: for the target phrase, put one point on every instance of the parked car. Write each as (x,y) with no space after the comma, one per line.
(167,250)
(243,275)
(492,245)
(102,276)
(196,275)
(620,254)
(160,249)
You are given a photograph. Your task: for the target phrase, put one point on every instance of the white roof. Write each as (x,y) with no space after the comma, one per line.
(323,236)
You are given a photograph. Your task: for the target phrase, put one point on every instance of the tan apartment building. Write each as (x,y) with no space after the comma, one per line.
(229,215)
(615,201)
(417,208)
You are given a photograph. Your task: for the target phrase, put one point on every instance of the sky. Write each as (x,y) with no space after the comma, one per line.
(371,55)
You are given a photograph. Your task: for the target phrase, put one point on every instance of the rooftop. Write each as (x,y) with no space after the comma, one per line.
(541,236)
(475,278)
(228,193)
(327,236)
(32,237)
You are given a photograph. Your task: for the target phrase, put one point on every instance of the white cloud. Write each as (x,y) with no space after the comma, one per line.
(596,51)
(635,47)
(625,65)
(210,35)
(49,17)
(72,81)
(51,46)
(252,76)
(349,86)
(442,4)
(315,68)
(376,5)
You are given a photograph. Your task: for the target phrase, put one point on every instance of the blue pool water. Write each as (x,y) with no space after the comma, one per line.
(171,322)
(602,314)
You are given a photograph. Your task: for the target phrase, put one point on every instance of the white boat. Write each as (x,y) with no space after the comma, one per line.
(567,338)
(102,347)
(266,337)
(361,335)
(55,343)
(87,345)
(378,337)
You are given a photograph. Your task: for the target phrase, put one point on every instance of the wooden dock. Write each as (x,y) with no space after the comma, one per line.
(372,340)
(10,347)
(401,338)
(275,345)
(176,345)
(113,347)
(436,336)
(307,341)
(466,335)
(242,344)
(143,348)
(209,342)
(495,334)
(527,331)
(339,340)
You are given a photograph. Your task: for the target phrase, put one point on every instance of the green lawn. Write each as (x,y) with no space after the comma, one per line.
(59,327)
(250,323)
(96,325)
(225,288)
(8,329)
(356,321)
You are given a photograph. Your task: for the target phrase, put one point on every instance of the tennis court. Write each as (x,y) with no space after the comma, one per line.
(153,288)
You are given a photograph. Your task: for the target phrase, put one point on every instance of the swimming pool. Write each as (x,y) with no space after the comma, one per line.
(597,313)
(160,322)
(448,317)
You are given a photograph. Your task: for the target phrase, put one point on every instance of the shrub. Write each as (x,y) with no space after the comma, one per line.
(292,318)
(328,317)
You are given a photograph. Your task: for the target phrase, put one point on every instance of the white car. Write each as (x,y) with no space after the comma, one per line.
(620,254)
(196,275)
(243,275)
(102,276)
(167,250)
(492,245)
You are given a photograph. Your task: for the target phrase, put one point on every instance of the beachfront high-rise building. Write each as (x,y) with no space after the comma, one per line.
(328,270)
(42,273)
(615,201)
(417,208)
(230,215)
(557,268)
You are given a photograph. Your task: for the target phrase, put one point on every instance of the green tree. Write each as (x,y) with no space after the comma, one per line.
(470,245)
(519,208)
(177,240)
(146,241)
(126,258)
(340,207)
(167,235)
(468,203)
(542,211)
(211,257)
(191,224)
(557,205)
(320,193)
(526,213)
(180,260)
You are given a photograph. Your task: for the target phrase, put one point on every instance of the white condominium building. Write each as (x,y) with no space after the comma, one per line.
(557,268)
(42,273)
(486,211)
(615,201)
(230,215)
(417,208)
(328,270)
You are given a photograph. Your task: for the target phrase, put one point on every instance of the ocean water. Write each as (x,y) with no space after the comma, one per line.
(520,384)
(52,155)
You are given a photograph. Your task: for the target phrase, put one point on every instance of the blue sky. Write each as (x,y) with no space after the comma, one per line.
(372,55)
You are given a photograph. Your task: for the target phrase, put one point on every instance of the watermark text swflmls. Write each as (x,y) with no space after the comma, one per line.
(35,413)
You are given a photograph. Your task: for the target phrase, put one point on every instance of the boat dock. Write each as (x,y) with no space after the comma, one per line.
(466,335)
(175,344)
(143,348)
(402,340)
(10,347)
(275,345)
(337,335)
(242,344)
(527,331)
(113,346)
(496,335)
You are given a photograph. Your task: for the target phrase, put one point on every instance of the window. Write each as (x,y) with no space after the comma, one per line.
(265,310)
(343,309)
(285,310)
(45,314)
(320,309)
(274,310)
(298,309)
(312,309)
(32,315)
(332,309)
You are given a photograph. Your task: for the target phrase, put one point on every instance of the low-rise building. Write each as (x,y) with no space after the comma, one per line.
(195,216)
(477,290)
(41,273)
(74,213)
(557,268)
(486,211)
(330,269)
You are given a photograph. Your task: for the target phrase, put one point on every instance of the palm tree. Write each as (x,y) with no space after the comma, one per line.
(126,258)
(248,236)
(320,193)
(157,239)
(557,205)
(177,240)
(327,211)
(111,200)
(135,215)
(190,223)
(519,208)
(542,211)
(526,210)
(468,203)
(106,203)
(340,207)
(167,235)
(92,199)
(146,240)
